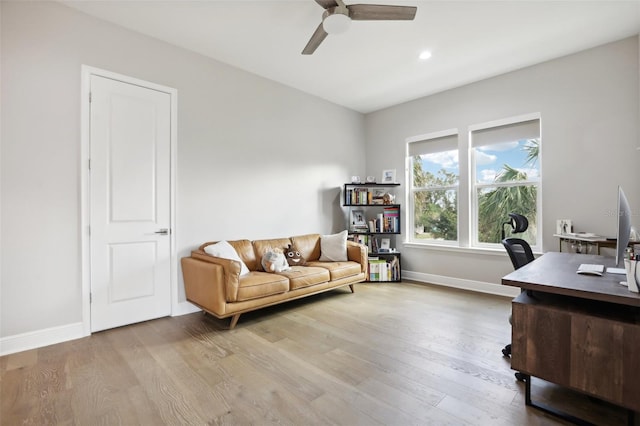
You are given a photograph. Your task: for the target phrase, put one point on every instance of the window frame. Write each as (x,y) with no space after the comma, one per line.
(467,188)
(474,187)
(411,190)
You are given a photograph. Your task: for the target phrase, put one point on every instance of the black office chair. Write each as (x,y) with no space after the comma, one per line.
(520,254)
(519,250)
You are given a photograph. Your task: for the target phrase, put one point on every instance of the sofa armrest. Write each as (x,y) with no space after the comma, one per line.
(358,253)
(204,284)
(231,273)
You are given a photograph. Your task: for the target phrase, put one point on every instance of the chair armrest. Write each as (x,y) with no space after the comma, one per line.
(357,252)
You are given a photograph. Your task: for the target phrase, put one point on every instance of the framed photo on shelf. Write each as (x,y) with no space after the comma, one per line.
(563,226)
(358,220)
(389,176)
(385,244)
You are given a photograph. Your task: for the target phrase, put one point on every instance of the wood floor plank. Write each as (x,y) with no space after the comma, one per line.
(389,354)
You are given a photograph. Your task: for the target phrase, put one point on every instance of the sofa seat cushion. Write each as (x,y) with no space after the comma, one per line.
(339,270)
(260,284)
(305,276)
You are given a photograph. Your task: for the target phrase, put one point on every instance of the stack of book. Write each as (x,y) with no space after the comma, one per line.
(360,196)
(383,269)
(391,219)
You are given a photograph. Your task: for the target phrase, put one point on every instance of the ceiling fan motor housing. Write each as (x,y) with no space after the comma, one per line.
(335,20)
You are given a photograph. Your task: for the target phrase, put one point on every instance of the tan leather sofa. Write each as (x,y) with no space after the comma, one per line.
(215,284)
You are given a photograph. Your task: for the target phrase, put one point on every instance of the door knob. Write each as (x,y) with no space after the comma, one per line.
(163,231)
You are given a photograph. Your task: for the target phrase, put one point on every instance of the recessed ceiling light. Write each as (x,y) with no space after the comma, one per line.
(424,55)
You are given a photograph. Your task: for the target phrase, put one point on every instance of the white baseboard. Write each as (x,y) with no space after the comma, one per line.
(479,286)
(184,308)
(40,338)
(64,333)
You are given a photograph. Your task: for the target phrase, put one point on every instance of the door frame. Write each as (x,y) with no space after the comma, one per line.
(85,214)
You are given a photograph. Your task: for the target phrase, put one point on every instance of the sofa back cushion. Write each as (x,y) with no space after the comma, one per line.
(308,246)
(260,247)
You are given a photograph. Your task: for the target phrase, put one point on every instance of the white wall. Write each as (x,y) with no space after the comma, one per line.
(589,104)
(255,159)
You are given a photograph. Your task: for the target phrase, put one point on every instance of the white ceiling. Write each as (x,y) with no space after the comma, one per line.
(375,64)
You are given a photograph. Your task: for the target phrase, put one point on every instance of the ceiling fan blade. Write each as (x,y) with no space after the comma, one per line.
(375,12)
(315,40)
(326,4)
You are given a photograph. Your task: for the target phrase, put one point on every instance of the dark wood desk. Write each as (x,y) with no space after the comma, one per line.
(579,331)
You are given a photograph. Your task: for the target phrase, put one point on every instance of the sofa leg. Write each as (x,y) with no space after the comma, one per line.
(353,290)
(234,321)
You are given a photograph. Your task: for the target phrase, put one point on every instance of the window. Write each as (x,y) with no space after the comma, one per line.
(500,175)
(506,178)
(434,186)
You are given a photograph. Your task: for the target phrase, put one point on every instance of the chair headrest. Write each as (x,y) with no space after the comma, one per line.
(518,222)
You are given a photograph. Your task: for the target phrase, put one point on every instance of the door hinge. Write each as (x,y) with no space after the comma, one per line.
(89,97)
(90,297)
(89,163)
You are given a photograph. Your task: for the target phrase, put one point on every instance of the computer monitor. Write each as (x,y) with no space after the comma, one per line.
(624,226)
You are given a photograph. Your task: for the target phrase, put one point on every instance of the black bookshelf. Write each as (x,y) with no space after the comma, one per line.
(374,220)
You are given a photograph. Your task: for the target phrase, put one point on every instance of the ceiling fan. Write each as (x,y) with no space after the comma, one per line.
(337,17)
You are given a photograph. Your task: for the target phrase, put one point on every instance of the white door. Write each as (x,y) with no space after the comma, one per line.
(130,196)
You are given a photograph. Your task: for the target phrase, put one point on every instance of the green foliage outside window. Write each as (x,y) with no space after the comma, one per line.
(436,201)
(436,210)
(495,203)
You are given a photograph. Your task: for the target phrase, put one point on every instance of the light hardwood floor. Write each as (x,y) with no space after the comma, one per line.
(392,354)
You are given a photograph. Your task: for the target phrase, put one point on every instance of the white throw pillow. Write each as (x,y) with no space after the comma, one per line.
(226,251)
(333,248)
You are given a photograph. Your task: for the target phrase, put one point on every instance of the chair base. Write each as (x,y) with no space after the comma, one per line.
(506,351)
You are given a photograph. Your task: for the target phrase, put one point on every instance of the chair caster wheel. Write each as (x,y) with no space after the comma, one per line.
(506,351)
(521,377)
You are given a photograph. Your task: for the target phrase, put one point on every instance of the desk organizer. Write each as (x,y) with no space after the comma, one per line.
(633,274)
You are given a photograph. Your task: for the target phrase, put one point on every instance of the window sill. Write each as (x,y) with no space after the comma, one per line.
(498,251)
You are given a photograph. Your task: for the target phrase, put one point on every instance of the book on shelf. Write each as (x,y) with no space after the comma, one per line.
(379,222)
(363,196)
(374,245)
(394,267)
(359,196)
(391,219)
(377,269)
(377,196)
(381,269)
(372,270)
(360,239)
